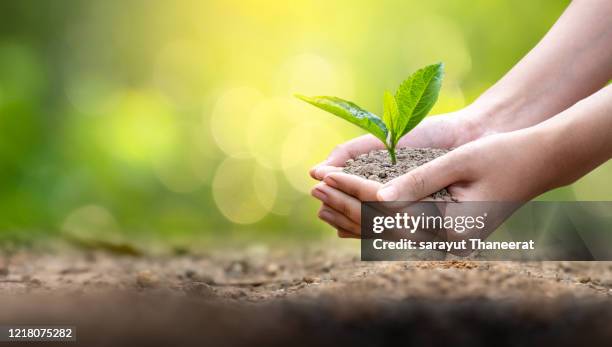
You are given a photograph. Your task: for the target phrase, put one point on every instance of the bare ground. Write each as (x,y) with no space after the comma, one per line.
(309,294)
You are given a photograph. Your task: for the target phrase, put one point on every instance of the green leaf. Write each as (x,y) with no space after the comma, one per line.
(350,112)
(390,116)
(416,96)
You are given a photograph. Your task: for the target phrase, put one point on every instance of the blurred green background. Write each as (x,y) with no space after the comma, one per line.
(174,120)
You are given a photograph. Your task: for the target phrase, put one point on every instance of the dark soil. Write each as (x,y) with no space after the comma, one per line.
(307,296)
(376,165)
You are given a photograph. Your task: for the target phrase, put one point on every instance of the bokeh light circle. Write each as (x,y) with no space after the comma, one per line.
(307,144)
(244,191)
(92,222)
(229,117)
(312,74)
(181,172)
(268,126)
(141,127)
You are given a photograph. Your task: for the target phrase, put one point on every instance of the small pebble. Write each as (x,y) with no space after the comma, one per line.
(199,289)
(272,269)
(146,279)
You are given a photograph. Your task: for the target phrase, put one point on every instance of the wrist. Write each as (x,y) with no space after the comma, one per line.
(547,157)
(494,113)
(482,118)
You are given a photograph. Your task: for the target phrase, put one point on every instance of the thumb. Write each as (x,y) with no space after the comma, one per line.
(341,153)
(422,181)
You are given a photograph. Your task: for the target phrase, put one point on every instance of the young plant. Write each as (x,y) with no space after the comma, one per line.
(401,113)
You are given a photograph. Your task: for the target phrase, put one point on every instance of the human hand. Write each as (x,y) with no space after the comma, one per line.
(443,131)
(502,167)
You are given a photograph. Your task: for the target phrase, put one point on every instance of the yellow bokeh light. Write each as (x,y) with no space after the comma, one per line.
(265,186)
(311,74)
(307,144)
(140,127)
(268,125)
(244,191)
(229,117)
(189,166)
(180,173)
(285,199)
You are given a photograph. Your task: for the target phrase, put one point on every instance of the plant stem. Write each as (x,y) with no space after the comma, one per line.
(392,154)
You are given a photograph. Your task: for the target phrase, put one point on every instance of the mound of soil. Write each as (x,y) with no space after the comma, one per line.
(376,165)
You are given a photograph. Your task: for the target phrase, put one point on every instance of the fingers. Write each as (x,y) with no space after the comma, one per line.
(319,175)
(360,188)
(338,220)
(422,181)
(339,201)
(323,170)
(344,152)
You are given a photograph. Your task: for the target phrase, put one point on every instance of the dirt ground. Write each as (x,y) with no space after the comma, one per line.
(311,294)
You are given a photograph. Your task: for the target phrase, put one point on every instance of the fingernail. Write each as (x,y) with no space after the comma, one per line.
(330,181)
(319,194)
(315,168)
(326,215)
(388,193)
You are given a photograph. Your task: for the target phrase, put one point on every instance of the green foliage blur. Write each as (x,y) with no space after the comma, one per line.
(174,119)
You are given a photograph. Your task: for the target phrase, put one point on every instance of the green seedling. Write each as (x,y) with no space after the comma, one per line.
(401,113)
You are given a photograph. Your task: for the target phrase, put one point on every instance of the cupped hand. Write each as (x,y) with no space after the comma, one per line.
(443,131)
(341,195)
(502,167)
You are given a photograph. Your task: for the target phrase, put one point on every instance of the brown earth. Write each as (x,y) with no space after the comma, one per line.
(321,295)
(377,165)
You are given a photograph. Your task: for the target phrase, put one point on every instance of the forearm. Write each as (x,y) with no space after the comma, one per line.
(576,141)
(572,61)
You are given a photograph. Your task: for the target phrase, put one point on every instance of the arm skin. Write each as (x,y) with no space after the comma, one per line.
(572,61)
(511,166)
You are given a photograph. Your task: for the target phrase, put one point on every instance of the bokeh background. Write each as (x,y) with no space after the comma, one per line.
(174,120)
